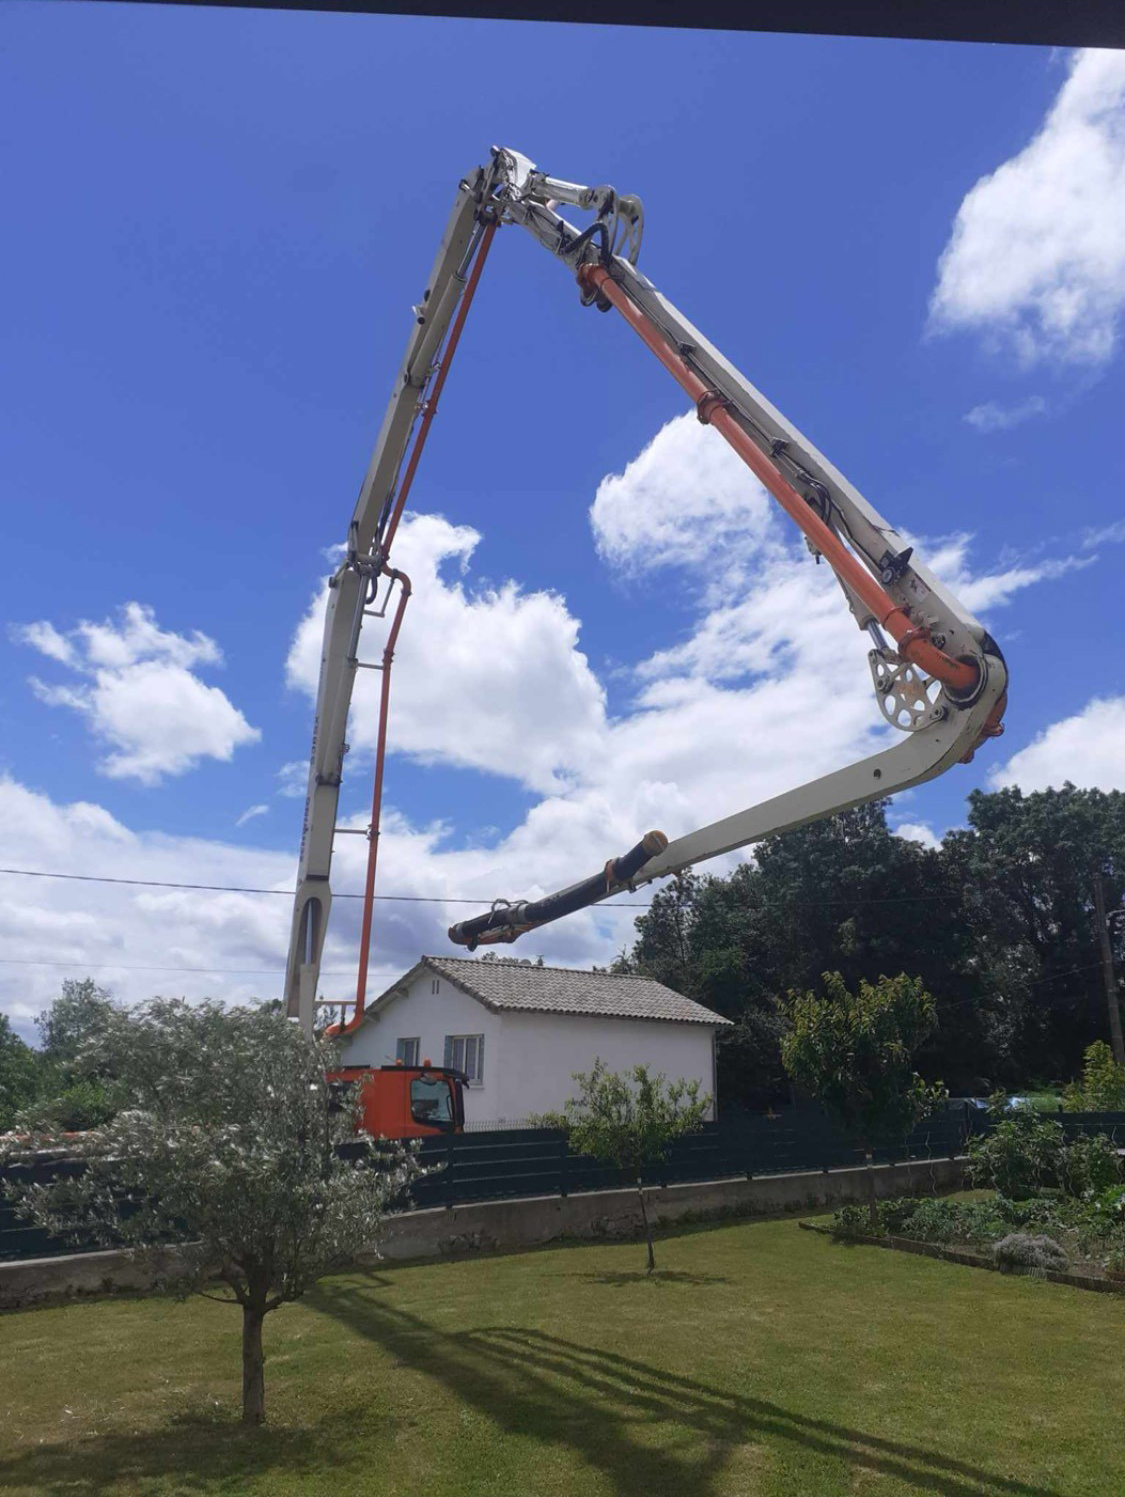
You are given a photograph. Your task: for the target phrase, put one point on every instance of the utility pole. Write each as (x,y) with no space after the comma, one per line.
(1114,1006)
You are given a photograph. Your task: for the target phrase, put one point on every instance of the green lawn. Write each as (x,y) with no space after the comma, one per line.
(763,1362)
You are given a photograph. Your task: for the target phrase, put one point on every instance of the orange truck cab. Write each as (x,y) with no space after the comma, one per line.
(406,1101)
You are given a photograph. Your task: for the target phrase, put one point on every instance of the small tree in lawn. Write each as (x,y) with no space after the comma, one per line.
(229,1143)
(630,1120)
(853,1051)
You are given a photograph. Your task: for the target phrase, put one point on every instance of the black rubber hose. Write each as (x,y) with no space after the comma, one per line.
(566,901)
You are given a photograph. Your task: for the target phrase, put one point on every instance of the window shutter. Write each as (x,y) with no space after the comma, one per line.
(448,1061)
(480,1057)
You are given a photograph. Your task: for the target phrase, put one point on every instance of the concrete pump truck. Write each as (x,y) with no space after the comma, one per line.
(938,676)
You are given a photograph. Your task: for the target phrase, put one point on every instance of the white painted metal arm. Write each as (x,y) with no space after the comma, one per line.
(351,590)
(940,678)
(883,581)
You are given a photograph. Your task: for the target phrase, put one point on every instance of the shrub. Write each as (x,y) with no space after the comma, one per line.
(1115,1258)
(1021,1250)
(1110,1207)
(851,1221)
(1040,1213)
(1102,1088)
(955,1221)
(1020,1155)
(88,1102)
(895,1215)
(1089,1165)
(1099,1222)
(933,1221)
(1026,1153)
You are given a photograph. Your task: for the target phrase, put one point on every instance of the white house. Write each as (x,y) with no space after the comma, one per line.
(521,1031)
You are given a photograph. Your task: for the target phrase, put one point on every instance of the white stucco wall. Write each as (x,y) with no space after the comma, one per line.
(529,1058)
(544,1050)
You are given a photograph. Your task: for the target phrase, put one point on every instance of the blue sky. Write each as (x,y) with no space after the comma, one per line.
(218,222)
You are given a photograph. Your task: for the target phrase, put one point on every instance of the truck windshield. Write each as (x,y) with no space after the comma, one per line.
(431,1101)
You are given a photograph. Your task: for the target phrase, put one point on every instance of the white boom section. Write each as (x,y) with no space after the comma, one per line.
(954,728)
(348,596)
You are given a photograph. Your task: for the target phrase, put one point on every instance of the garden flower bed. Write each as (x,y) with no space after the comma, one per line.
(1070,1240)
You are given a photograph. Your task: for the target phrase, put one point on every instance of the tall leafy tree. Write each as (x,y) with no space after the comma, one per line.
(20,1074)
(1025,868)
(853,1050)
(232,1146)
(844,894)
(65,1099)
(80,1011)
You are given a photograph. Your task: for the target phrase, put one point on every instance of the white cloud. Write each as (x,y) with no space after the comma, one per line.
(686,499)
(1104,535)
(1087,749)
(137,689)
(484,678)
(992,417)
(251,813)
(52,929)
(140,941)
(45,638)
(137,636)
(293,779)
(765,692)
(1037,253)
(948,559)
(918,831)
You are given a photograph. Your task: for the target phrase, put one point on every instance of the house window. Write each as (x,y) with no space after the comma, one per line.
(406,1051)
(435,985)
(465,1052)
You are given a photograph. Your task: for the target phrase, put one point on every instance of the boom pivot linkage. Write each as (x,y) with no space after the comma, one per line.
(939,677)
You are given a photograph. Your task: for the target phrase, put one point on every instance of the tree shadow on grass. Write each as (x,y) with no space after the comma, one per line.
(606,1406)
(198,1453)
(658,1276)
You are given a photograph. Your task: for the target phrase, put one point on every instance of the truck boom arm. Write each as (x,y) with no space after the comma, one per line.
(938,675)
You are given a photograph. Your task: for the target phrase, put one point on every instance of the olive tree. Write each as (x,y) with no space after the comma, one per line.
(229,1147)
(631,1120)
(854,1052)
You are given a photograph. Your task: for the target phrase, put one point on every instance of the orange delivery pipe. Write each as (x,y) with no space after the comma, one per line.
(913,641)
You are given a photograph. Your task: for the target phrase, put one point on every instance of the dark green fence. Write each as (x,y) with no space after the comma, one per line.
(536,1162)
(17,1239)
(1112,1124)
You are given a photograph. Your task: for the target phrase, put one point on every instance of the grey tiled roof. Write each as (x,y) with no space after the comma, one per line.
(563,990)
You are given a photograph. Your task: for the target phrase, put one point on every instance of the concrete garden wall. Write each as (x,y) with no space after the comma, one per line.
(513,1225)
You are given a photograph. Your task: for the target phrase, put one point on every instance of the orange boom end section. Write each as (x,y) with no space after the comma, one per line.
(914,643)
(405,1101)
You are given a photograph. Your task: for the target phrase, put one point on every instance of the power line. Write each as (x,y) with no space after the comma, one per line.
(15,961)
(153,883)
(623,904)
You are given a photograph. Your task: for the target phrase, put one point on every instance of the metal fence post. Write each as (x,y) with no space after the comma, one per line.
(564,1171)
(450,1187)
